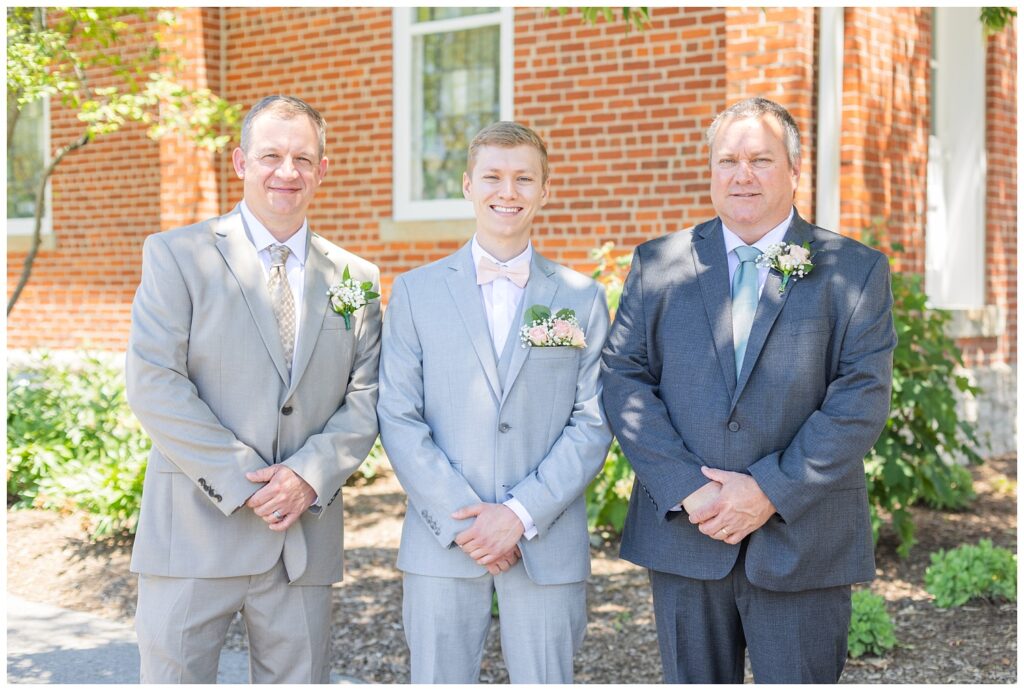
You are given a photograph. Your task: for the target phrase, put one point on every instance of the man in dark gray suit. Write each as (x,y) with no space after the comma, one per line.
(746,382)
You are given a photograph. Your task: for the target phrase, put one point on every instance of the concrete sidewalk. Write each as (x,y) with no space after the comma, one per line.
(51,645)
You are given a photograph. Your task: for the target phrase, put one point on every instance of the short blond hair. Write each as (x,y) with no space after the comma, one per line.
(508,135)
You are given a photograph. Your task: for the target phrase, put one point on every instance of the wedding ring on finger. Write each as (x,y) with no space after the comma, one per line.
(277,514)
(725,531)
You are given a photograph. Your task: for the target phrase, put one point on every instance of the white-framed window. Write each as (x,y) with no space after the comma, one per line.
(29,155)
(955,236)
(452,76)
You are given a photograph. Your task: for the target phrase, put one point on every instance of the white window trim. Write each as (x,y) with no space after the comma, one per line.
(23,227)
(404,208)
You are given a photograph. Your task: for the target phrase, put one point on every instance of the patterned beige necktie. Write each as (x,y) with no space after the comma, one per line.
(281,298)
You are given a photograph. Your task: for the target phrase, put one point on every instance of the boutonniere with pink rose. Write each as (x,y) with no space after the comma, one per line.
(349,295)
(791,260)
(542,329)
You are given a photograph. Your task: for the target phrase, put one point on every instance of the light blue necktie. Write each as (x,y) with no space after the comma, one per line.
(744,300)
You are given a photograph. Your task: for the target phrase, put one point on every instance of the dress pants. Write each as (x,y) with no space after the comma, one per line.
(182,624)
(704,627)
(446,622)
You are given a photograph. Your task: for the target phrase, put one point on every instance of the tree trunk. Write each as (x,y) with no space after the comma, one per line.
(37,230)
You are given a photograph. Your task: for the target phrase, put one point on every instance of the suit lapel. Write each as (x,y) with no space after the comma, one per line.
(770,305)
(540,290)
(465,293)
(240,256)
(712,269)
(318,274)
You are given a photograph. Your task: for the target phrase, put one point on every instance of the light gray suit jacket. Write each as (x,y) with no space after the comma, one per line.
(810,401)
(206,377)
(456,435)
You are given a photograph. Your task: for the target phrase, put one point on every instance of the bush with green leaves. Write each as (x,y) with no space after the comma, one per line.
(972,571)
(871,630)
(608,493)
(72,442)
(912,461)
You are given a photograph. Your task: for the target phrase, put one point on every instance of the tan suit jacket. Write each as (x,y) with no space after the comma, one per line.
(206,376)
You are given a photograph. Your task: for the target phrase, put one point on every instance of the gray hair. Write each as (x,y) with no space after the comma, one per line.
(758,107)
(285,107)
(508,135)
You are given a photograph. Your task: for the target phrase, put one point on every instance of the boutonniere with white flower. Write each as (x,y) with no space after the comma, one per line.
(349,295)
(791,260)
(542,329)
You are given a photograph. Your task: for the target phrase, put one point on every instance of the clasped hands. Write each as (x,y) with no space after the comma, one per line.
(282,500)
(491,540)
(730,507)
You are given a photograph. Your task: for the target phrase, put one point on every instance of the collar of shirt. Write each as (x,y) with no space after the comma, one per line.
(262,239)
(732,241)
(479,251)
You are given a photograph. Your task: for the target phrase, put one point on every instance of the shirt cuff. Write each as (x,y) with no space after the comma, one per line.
(529,528)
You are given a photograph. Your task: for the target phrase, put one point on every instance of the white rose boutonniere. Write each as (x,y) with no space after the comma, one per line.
(792,261)
(542,329)
(349,295)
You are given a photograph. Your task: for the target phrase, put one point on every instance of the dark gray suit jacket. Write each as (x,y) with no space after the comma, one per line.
(810,402)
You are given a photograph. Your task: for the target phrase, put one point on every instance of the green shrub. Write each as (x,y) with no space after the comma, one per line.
(372,469)
(72,442)
(971,571)
(871,630)
(910,463)
(608,493)
(961,491)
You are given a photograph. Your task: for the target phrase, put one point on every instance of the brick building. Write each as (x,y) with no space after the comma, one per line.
(908,117)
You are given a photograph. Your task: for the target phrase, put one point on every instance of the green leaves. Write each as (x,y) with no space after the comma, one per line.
(995,19)
(536,313)
(972,571)
(72,442)
(634,17)
(871,629)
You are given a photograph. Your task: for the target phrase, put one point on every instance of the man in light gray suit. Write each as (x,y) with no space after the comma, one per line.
(493,438)
(746,401)
(260,401)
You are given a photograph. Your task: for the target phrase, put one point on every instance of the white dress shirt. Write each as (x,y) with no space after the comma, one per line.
(294,267)
(501,303)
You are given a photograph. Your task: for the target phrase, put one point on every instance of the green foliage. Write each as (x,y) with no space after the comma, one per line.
(995,19)
(372,469)
(608,493)
(72,442)
(611,271)
(634,17)
(61,54)
(871,630)
(961,491)
(912,459)
(971,571)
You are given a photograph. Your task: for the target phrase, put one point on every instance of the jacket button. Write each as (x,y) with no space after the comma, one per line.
(287,410)
(504,427)
(734,426)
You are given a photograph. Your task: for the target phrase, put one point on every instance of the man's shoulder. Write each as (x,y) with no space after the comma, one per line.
(843,247)
(675,241)
(342,257)
(565,275)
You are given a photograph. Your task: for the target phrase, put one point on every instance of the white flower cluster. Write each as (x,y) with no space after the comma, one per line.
(554,331)
(347,296)
(792,261)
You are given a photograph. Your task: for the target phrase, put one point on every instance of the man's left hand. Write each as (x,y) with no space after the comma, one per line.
(495,531)
(740,509)
(283,499)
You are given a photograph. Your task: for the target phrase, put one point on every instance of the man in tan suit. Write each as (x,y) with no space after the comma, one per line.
(260,401)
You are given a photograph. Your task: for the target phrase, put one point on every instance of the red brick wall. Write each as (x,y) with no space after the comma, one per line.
(623,114)
(884,146)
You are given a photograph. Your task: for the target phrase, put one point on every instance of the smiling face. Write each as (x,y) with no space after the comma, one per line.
(280,172)
(507,188)
(752,181)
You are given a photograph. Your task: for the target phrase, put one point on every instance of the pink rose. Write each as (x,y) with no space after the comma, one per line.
(561,330)
(538,335)
(577,338)
(799,254)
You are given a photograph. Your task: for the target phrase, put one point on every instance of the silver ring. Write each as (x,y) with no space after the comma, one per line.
(277,514)
(723,530)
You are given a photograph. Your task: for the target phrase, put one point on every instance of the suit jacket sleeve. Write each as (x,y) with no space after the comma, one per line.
(326,459)
(434,487)
(837,436)
(579,452)
(668,471)
(161,395)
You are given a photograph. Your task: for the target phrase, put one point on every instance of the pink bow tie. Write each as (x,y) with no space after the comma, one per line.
(487,271)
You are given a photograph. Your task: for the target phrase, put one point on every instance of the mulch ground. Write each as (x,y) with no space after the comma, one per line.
(50,559)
